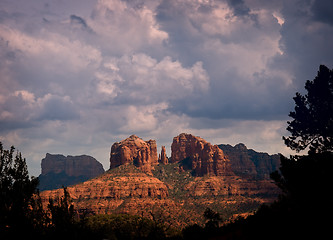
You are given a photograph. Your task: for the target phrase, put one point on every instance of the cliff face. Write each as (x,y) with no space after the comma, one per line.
(142,154)
(249,163)
(200,156)
(72,165)
(58,170)
(229,186)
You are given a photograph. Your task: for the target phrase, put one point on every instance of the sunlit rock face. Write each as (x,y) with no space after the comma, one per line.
(133,150)
(200,156)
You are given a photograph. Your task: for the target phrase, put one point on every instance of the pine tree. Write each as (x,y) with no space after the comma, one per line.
(18,195)
(312,124)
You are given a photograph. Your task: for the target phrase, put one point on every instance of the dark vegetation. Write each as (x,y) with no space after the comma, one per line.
(312,124)
(303,210)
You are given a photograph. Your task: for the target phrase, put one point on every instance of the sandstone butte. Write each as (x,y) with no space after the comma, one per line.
(142,154)
(202,157)
(138,185)
(58,170)
(83,165)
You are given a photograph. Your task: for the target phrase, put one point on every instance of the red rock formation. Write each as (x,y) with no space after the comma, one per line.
(58,170)
(249,163)
(163,157)
(200,156)
(241,163)
(71,165)
(230,186)
(109,191)
(142,154)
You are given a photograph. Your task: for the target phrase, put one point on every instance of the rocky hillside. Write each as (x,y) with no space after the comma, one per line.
(176,194)
(176,197)
(58,170)
(249,163)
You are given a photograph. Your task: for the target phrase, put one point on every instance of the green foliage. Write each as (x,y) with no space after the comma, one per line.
(172,176)
(312,124)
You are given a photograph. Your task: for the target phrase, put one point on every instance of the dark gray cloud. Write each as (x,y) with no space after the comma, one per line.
(258,95)
(57,108)
(305,42)
(322,11)
(239,7)
(78,20)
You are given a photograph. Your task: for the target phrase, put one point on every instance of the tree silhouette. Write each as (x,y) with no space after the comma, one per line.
(312,124)
(62,215)
(213,219)
(18,195)
(306,180)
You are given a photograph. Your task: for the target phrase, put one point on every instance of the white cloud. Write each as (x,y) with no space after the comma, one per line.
(142,119)
(123,28)
(279,18)
(54,50)
(142,79)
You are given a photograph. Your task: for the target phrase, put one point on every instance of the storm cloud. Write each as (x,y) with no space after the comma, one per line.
(77,76)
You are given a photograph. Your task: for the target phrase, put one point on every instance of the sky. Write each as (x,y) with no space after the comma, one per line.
(77,76)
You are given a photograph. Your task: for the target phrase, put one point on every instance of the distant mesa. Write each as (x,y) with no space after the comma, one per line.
(133,150)
(58,170)
(200,156)
(249,163)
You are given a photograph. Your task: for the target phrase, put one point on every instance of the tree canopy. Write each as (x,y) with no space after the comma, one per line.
(312,124)
(17,194)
